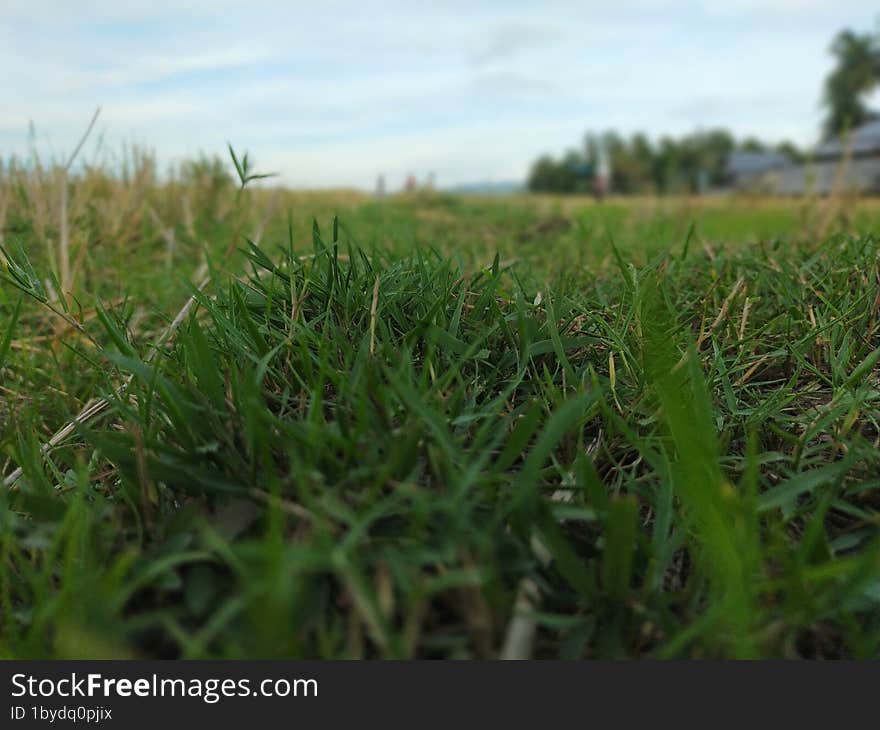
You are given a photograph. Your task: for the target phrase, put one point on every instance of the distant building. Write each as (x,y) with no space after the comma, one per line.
(850,163)
(847,164)
(863,141)
(748,170)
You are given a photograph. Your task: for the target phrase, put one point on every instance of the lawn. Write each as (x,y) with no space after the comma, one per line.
(321,425)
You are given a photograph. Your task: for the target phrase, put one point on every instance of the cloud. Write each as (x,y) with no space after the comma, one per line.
(338,90)
(513,84)
(513,39)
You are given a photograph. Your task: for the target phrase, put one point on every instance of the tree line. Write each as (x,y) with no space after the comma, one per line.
(637,165)
(698,161)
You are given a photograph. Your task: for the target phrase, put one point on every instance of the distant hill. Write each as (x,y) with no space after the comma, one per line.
(504,187)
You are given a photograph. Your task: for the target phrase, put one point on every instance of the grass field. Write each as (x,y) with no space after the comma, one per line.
(321,425)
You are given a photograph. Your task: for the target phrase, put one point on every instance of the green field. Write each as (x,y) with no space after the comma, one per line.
(321,425)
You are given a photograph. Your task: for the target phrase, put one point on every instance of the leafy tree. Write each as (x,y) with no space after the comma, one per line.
(856,73)
(631,163)
(791,151)
(551,176)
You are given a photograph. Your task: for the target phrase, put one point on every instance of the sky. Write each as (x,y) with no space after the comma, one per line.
(332,93)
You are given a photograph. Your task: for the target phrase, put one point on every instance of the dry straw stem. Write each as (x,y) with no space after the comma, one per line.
(744,319)
(837,197)
(722,313)
(520,636)
(96,407)
(64,232)
(167,233)
(751,371)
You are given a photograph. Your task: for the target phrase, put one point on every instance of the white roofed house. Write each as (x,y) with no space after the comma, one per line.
(850,163)
(754,170)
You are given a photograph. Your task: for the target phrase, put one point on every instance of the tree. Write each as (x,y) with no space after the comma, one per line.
(712,148)
(791,151)
(856,73)
(551,176)
(689,164)
(751,144)
(630,163)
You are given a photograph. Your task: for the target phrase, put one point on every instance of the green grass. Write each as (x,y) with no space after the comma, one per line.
(440,427)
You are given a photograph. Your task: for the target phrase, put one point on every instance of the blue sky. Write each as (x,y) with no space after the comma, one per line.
(331,93)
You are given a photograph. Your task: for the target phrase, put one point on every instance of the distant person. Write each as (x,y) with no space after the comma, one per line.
(600,186)
(410,184)
(602,177)
(380,186)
